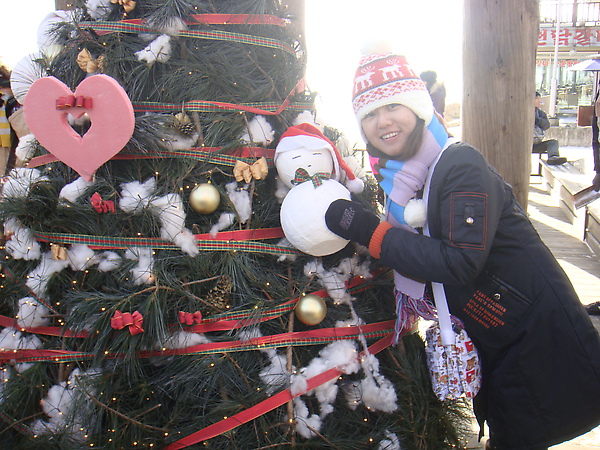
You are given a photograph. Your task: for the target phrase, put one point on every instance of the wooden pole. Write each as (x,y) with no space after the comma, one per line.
(499,47)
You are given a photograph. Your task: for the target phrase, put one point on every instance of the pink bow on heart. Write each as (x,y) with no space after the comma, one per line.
(102,206)
(190,318)
(134,321)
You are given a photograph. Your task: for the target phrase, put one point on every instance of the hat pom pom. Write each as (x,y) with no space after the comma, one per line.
(415,213)
(355,186)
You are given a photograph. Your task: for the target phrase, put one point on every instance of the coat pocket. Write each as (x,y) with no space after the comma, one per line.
(493,312)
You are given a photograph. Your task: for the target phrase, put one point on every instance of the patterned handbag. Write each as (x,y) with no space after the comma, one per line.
(452,359)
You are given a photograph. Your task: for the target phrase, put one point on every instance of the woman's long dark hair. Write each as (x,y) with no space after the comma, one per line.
(413,144)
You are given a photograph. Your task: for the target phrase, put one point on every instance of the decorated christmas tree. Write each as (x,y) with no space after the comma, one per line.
(150,296)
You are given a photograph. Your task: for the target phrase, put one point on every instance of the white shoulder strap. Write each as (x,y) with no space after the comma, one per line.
(439,295)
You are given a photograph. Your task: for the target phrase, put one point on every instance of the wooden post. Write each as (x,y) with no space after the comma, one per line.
(500,42)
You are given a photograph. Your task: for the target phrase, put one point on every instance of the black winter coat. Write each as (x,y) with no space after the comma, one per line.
(540,352)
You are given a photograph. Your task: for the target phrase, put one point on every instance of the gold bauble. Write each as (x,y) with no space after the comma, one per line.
(311,309)
(205,198)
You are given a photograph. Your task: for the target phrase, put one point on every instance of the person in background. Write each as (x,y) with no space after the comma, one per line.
(540,353)
(5,129)
(540,145)
(436,89)
(595,141)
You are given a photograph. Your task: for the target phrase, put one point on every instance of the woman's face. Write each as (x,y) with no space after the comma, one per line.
(388,127)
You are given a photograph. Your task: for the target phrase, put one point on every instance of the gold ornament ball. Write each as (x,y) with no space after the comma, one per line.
(205,198)
(311,309)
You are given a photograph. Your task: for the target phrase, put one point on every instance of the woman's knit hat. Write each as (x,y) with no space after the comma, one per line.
(384,79)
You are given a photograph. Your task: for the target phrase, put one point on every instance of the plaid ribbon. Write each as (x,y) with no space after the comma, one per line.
(317,179)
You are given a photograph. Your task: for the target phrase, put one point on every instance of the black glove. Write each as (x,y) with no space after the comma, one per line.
(351,221)
(596,182)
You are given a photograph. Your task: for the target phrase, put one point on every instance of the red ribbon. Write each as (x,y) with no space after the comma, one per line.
(102,206)
(134,321)
(270,403)
(71,101)
(190,318)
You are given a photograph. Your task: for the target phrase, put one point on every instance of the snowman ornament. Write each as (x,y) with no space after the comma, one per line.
(310,166)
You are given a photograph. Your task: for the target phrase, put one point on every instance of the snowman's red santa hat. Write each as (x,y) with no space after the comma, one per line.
(309,137)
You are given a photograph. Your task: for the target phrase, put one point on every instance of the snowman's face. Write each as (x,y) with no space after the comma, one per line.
(313,161)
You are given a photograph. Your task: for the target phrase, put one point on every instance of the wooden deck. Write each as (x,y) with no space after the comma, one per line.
(565,240)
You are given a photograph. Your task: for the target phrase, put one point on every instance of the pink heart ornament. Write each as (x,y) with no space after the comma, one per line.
(106,104)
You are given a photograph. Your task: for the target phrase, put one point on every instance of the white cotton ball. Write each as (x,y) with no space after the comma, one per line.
(169,209)
(98,9)
(32,313)
(298,384)
(9,339)
(304,423)
(38,278)
(259,131)
(74,190)
(241,201)
(391,443)
(326,393)
(80,257)
(108,261)
(225,221)
(20,243)
(25,149)
(342,355)
(415,213)
(57,403)
(275,376)
(335,285)
(184,339)
(186,241)
(305,117)
(135,196)
(19,181)
(378,396)
(158,50)
(143,272)
(175,141)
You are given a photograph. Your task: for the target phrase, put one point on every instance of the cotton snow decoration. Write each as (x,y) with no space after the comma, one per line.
(143,272)
(37,279)
(108,261)
(32,313)
(159,50)
(24,74)
(20,243)
(225,221)
(259,131)
(25,149)
(310,166)
(19,181)
(241,201)
(74,190)
(98,9)
(67,406)
(136,196)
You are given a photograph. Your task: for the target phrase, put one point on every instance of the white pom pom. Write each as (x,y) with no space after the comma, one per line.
(415,213)
(356,186)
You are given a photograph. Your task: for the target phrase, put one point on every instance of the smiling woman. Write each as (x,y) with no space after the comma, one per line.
(429,33)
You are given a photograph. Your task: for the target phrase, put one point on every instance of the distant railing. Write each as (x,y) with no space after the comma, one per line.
(572,12)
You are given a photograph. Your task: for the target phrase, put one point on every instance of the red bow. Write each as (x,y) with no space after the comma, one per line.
(70,100)
(190,318)
(134,321)
(102,206)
